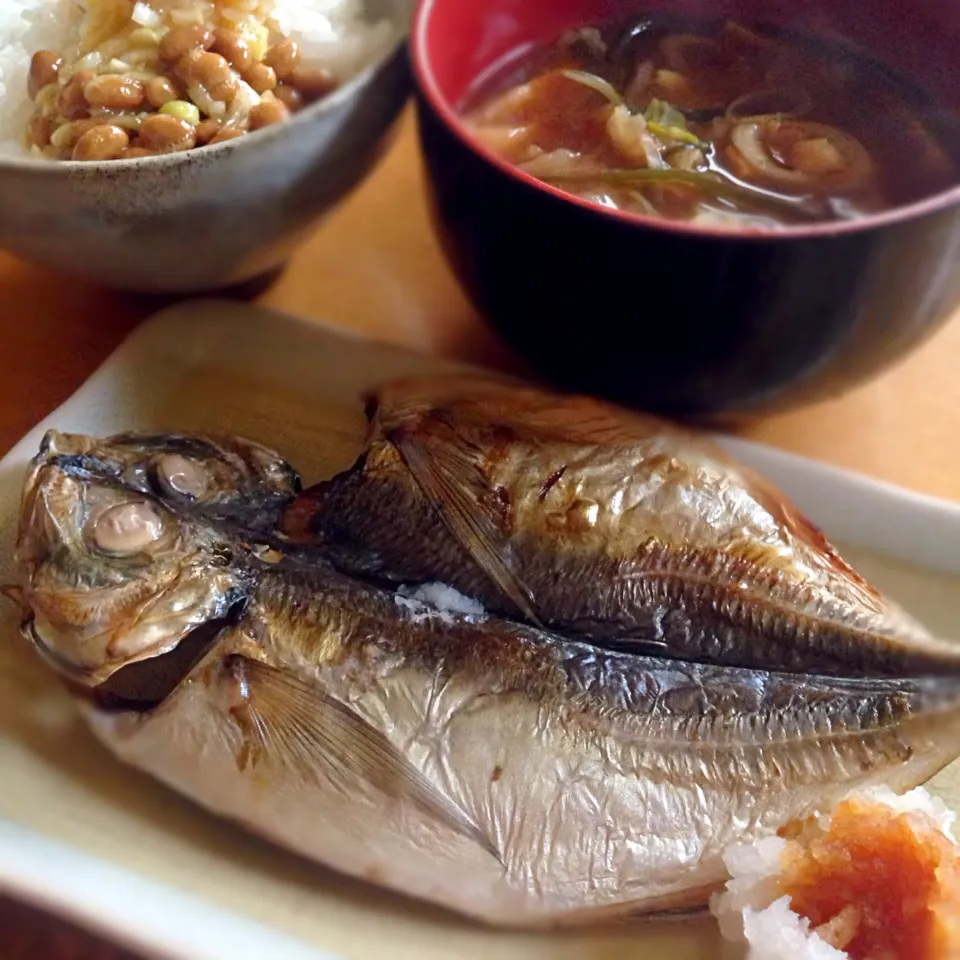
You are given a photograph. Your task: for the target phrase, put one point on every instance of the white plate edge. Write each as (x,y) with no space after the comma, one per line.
(76,886)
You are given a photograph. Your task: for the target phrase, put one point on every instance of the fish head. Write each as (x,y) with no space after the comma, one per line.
(111,572)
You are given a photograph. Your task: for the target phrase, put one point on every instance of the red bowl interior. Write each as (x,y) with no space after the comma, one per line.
(454,42)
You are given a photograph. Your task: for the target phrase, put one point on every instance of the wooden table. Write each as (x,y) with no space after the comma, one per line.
(374,266)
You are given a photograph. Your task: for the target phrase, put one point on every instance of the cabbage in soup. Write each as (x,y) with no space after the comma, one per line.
(717,124)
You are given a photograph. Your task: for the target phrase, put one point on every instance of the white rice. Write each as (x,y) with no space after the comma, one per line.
(333,34)
(27,26)
(752,910)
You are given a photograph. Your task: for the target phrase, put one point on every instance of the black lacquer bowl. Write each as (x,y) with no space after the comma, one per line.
(683,320)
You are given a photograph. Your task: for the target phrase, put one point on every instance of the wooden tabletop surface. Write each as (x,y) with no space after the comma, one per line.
(375,267)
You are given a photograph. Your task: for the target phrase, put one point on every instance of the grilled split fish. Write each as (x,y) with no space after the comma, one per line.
(603,524)
(510,774)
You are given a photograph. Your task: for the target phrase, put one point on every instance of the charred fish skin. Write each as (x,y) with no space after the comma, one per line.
(503,772)
(594,522)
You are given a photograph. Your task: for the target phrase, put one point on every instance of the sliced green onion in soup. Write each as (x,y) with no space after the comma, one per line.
(667,115)
(667,122)
(663,120)
(591,80)
(677,134)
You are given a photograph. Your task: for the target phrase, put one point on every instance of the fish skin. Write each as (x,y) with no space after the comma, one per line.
(504,772)
(606,784)
(603,524)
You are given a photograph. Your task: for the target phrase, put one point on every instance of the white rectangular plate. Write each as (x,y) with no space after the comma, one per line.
(106,846)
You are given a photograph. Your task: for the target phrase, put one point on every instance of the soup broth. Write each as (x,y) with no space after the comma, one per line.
(719,124)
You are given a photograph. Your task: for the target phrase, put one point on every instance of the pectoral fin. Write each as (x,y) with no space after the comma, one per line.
(447,471)
(288,721)
(685,905)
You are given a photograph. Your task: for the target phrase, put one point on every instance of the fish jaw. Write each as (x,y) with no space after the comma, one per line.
(609,785)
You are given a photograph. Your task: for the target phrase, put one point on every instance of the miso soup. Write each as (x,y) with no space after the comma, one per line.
(718,124)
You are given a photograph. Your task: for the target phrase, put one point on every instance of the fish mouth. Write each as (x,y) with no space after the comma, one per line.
(62,665)
(179,657)
(140,686)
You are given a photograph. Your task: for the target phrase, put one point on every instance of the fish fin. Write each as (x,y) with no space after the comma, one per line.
(449,475)
(640,647)
(682,905)
(317,735)
(678,913)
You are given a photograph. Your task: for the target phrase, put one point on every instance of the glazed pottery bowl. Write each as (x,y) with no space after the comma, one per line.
(684,320)
(207,219)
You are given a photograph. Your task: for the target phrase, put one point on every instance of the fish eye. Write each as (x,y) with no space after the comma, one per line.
(127,528)
(183,476)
